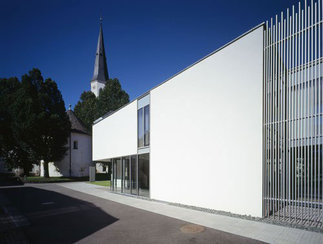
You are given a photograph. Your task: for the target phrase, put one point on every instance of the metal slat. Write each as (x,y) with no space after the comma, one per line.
(302,112)
(311,104)
(299,112)
(314,107)
(297,105)
(290,115)
(308,109)
(272,120)
(266,120)
(292,54)
(305,108)
(278,117)
(293,109)
(269,117)
(284,116)
(319,97)
(282,123)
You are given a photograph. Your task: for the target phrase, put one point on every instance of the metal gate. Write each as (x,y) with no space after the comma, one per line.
(293,116)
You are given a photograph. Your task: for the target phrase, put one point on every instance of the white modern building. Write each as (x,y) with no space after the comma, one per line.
(225,133)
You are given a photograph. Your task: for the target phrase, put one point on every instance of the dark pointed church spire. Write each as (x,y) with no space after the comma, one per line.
(100,73)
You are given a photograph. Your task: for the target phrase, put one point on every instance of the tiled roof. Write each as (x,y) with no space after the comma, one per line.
(76,124)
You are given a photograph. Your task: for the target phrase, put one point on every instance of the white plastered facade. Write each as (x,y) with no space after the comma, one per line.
(116,136)
(205,131)
(78,159)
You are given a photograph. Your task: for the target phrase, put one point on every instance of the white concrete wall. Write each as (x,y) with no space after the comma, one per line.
(206,131)
(116,135)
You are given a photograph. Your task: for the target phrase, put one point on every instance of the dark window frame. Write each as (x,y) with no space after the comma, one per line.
(75,145)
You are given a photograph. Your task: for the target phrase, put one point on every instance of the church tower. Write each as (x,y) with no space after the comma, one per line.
(100,74)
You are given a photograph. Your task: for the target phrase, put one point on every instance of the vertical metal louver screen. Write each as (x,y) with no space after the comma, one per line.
(293,116)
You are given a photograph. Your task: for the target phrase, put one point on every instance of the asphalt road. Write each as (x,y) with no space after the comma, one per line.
(54,214)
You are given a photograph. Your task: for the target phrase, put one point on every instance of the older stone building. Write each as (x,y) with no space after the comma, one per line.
(79,154)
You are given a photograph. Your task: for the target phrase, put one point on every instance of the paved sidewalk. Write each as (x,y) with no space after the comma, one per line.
(247,228)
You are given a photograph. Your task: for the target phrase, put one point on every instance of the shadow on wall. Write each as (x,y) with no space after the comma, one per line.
(54,217)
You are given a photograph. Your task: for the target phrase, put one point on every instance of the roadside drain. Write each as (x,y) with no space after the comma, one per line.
(192,228)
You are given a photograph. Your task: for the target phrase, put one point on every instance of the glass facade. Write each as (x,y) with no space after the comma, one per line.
(130,175)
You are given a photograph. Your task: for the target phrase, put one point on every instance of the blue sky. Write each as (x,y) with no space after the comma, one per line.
(146,41)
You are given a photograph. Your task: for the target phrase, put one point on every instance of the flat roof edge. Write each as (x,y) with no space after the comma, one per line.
(188,67)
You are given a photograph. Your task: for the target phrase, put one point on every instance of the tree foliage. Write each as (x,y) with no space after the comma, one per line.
(85,109)
(111,97)
(35,120)
(13,150)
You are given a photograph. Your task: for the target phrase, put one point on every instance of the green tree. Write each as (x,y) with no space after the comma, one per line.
(35,121)
(86,108)
(15,151)
(8,90)
(54,125)
(111,97)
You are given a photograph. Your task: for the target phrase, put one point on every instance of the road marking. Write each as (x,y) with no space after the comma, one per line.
(47,203)
(57,211)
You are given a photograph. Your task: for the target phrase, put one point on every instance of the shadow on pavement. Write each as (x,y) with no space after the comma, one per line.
(54,217)
(8,179)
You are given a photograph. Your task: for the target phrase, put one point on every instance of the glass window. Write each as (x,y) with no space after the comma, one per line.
(75,145)
(143,174)
(140,128)
(134,175)
(144,126)
(117,174)
(147,124)
(126,175)
(113,174)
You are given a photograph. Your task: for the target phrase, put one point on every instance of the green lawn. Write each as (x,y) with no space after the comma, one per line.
(38,179)
(101,179)
(101,183)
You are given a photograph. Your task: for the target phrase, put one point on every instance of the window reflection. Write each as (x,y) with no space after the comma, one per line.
(143,174)
(146,124)
(126,175)
(134,175)
(140,128)
(117,174)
